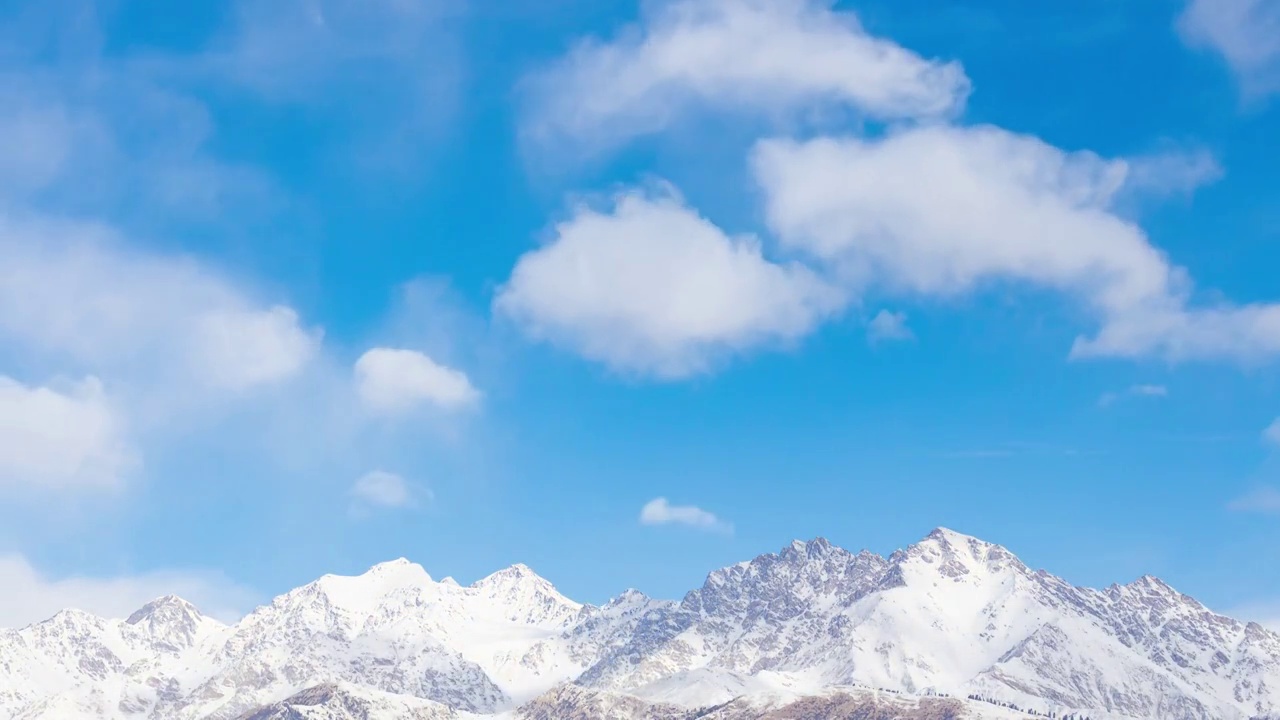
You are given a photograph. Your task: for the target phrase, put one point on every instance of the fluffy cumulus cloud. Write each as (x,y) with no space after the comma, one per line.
(650,287)
(941,211)
(242,348)
(382,489)
(754,56)
(393,380)
(66,435)
(1245,32)
(74,293)
(661,512)
(923,210)
(31,596)
(888,325)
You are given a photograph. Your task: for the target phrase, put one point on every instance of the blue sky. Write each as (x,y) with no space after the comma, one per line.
(631,291)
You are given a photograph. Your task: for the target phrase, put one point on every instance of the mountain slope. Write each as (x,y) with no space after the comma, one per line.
(950,615)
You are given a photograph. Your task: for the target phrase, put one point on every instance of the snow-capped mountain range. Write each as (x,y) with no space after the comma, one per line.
(950,626)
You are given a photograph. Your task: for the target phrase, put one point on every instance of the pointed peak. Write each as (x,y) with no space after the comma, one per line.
(74,616)
(946,539)
(398,567)
(1152,584)
(450,582)
(630,596)
(947,535)
(518,573)
(165,606)
(818,546)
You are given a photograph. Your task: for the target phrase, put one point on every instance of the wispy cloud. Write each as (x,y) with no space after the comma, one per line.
(661,512)
(1263,499)
(380,489)
(1245,32)
(31,596)
(1272,433)
(888,325)
(1149,391)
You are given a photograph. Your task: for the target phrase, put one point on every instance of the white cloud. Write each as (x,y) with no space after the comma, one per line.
(297,50)
(660,512)
(1272,433)
(239,349)
(391,380)
(30,596)
(55,437)
(650,287)
(942,211)
(389,72)
(1150,391)
(72,293)
(774,57)
(888,325)
(1263,499)
(381,489)
(1245,32)
(1172,172)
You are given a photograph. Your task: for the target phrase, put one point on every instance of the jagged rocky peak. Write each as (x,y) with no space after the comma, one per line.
(780,582)
(630,596)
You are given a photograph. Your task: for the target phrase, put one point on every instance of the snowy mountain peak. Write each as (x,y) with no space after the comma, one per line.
(954,555)
(171,623)
(630,596)
(526,596)
(400,567)
(168,606)
(817,547)
(516,575)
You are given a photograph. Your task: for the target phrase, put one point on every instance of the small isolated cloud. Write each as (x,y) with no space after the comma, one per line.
(1272,433)
(887,326)
(381,489)
(1150,391)
(390,380)
(1263,499)
(649,287)
(61,436)
(760,57)
(31,596)
(660,512)
(1245,32)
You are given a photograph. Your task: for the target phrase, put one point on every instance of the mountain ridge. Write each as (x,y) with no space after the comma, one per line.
(949,615)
